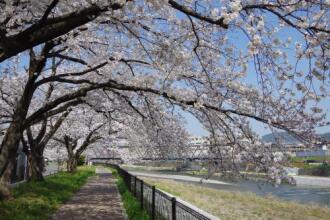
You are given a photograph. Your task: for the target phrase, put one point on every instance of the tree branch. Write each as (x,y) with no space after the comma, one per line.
(49,29)
(194,14)
(53,129)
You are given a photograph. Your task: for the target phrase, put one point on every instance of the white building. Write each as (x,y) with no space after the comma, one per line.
(199,141)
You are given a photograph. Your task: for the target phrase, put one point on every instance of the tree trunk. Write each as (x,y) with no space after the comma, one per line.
(36,166)
(8,153)
(11,140)
(9,145)
(5,180)
(72,164)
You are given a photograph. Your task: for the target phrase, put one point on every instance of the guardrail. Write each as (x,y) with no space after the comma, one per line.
(17,183)
(158,204)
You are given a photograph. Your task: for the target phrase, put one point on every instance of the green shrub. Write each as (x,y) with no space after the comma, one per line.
(324,169)
(81,160)
(317,170)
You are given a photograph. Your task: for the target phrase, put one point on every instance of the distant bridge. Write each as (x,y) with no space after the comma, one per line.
(183,158)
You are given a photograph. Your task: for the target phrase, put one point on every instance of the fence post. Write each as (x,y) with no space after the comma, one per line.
(173,208)
(153,204)
(141,194)
(130,182)
(135,186)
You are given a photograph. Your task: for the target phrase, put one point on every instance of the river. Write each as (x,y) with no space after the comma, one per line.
(305,194)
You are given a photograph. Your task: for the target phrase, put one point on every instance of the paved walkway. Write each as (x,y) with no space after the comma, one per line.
(97,199)
(315,181)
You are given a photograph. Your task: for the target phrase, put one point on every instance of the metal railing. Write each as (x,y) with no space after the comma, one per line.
(159,205)
(16,183)
(17,180)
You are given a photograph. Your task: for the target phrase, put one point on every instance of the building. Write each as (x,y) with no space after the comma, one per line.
(199,141)
(120,142)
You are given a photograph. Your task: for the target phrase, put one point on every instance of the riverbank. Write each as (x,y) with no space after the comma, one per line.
(38,200)
(240,205)
(197,173)
(179,177)
(300,180)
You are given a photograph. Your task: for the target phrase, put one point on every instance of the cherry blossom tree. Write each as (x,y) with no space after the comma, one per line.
(227,62)
(164,137)
(21,97)
(80,130)
(35,146)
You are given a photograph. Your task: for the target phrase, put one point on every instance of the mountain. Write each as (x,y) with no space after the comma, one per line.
(326,136)
(287,138)
(270,138)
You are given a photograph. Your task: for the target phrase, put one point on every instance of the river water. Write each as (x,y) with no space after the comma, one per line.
(284,191)
(287,192)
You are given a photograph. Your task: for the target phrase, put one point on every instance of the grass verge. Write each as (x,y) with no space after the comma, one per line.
(238,205)
(38,200)
(131,205)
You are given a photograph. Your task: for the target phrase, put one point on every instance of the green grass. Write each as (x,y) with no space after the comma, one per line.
(318,170)
(311,169)
(38,200)
(131,205)
(316,158)
(240,205)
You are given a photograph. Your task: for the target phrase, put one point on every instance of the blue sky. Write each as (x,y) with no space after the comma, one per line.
(195,128)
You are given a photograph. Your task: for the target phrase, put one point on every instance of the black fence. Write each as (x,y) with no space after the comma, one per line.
(159,205)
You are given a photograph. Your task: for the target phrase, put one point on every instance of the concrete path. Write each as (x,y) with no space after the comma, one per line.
(312,181)
(179,177)
(97,199)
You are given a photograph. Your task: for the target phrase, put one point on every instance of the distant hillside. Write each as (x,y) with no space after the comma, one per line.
(270,138)
(326,136)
